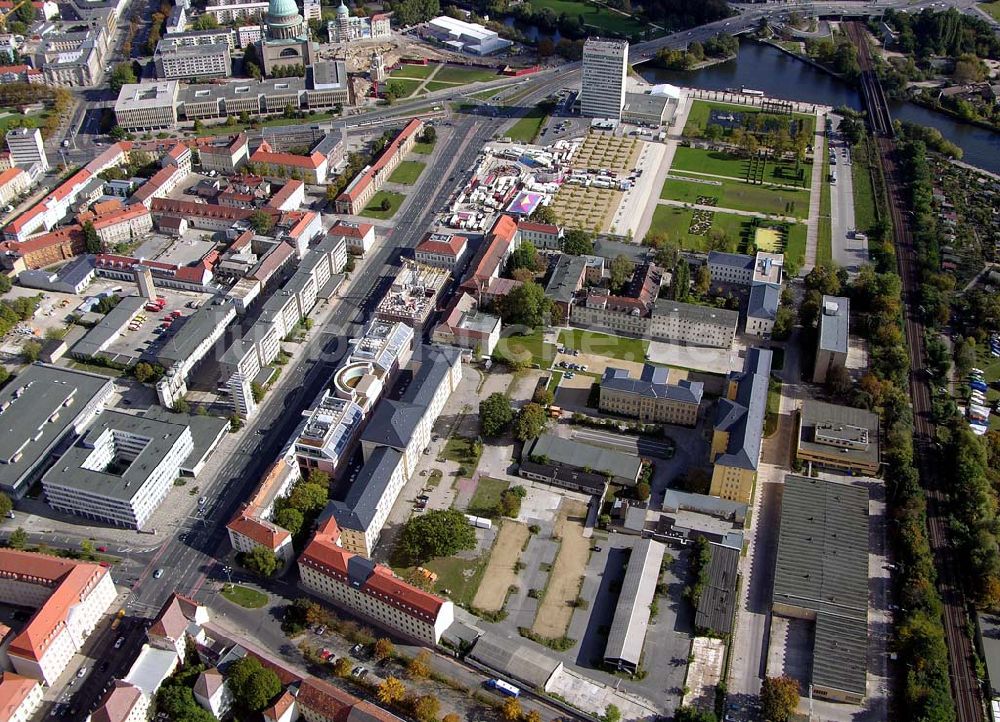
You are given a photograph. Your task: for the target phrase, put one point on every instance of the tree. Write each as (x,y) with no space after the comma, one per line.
(426,708)
(702,280)
(779,696)
(696,481)
(18,538)
(825,278)
(680,281)
(6,505)
(577,243)
(30,351)
(308,496)
(26,13)
(526,256)
(253,685)
(511,709)
(143,372)
(642,491)
(90,238)
(612,714)
(391,690)
(206,21)
(177,702)
(418,667)
(620,272)
(542,396)
(257,391)
(342,667)
(384,649)
(544,214)
(123,74)
(87,549)
(839,382)
(437,533)
(533,716)
(495,414)
(429,135)
(261,221)
(693,714)
(530,422)
(290,519)
(261,560)
(526,305)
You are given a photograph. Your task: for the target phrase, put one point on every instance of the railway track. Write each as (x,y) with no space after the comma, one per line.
(966,691)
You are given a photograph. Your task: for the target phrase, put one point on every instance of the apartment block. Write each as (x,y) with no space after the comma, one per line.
(602,90)
(650,398)
(20,697)
(226,157)
(226,11)
(147,106)
(26,147)
(360,237)
(832,345)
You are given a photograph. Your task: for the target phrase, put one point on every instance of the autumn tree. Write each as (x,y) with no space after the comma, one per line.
(779,696)
(391,690)
(384,648)
(418,667)
(426,708)
(342,667)
(511,709)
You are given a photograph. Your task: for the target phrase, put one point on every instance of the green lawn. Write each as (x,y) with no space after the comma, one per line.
(437,85)
(716,162)
(461,75)
(741,196)
(528,127)
(795,247)
(423,148)
(484,501)
(698,116)
(517,347)
(486,94)
(992,8)
(824,243)
(406,87)
(864,192)
(374,209)
(245,596)
(601,19)
(407,172)
(554,380)
(675,221)
(461,450)
(461,577)
(773,407)
(421,72)
(602,344)
(10,120)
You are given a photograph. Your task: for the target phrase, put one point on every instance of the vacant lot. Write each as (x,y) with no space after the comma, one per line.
(556,609)
(740,196)
(460,75)
(407,172)
(520,348)
(500,575)
(525,129)
(414,71)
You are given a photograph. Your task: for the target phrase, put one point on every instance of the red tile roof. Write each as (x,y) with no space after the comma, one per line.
(71,583)
(118,703)
(10,174)
(72,234)
(14,689)
(539,227)
(178,151)
(124,215)
(265,154)
(259,531)
(285,193)
(199,210)
(325,699)
(390,151)
(148,189)
(453,246)
(352,230)
(174,617)
(279,708)
(501,237)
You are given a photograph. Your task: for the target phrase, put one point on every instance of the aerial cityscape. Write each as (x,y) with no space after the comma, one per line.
(500,361)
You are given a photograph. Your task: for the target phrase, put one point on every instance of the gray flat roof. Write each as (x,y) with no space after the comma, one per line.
(565,277)
(567,452)
(834,323)
(34,415)
(196,328)
(69,471)
(645,103)
(989,634)
(98,338)
(206,432)
(628,630)
(821,419)
(676,500)
(822,567)
(514,659)
(717,603)
(358,508)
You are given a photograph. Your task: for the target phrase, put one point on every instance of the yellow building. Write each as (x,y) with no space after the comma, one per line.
(739,428)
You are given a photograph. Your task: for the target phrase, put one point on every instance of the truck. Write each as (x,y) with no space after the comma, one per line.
(504,688)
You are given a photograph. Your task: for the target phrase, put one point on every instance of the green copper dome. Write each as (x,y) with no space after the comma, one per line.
(278,10)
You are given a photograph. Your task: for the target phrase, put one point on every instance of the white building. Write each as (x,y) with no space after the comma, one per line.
(124,702)
(212,693)
(20,697)
(120,470)
(179,60)
(348,28)
(602,90)
(26,147)
(147,106)
(360,237)
(225,11)
(462,36)
(441,250)
(70,598)
(252,525)
(13,182)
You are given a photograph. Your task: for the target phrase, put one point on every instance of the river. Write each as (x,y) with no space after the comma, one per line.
(766,68)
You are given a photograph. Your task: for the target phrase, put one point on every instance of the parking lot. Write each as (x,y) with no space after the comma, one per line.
(151,329)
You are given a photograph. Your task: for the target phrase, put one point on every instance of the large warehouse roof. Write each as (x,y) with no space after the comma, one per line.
(514,659)
(717,604)
(628,630)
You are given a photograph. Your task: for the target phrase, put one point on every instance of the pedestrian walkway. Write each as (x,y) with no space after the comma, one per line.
(818,168)
(674,133)
(720,209)
(682,173)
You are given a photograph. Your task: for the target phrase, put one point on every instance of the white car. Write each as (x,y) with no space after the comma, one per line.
(81,672)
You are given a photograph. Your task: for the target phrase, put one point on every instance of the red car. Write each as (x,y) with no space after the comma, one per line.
(325,653)
(102,549)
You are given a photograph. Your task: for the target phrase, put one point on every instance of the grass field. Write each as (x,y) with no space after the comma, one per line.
(423,148)
(461,450)
(484,501)
(600,18)
(699,160)
(500,574)
(244,596)
(992,8)
(437,85)
(602,344)
(406,86)
(824,243)
(528,127)
(374,209)
(460,75)
(675,221)
(795,247)
(700,109)
(461,577)
(421,72)
(740,196)
(864,193)
(407,172)
(10,120)
(517,346)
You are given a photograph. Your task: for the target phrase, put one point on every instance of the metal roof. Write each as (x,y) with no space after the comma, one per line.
(653,383)
(821,416)
(565,279)
(695,312)
(567,452)
(989,634)
(717,603)
(197,327)
(512,658)
(822,568)
(764,301)
(358,509)
(733,260)
(834,322)
(101,335)
(628,630)
(743,417)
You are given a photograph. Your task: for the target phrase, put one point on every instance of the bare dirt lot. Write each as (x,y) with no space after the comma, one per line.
(500,574)
(556,609)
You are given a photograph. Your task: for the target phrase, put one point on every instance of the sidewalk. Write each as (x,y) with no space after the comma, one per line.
(818,168)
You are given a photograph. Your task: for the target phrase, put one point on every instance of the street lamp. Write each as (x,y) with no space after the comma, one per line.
(228,570)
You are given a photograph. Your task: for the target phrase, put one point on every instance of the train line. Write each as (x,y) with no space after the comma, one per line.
(966,690)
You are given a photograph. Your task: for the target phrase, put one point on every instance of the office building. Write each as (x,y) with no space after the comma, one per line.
(147,106)
(225,157)
(739,428)
(412,297)
(838,437)
(832,345)
(628,628)
(121,469)
(69,599)
(821,575)
(179,60)
(650,398)
(350,28)
(602,90)
(443,250)
(464,37)
(252,526)
(26,148)
(371,590)
(651,109)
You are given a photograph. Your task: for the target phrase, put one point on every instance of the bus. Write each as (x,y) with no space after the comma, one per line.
(504,688)
(118,618)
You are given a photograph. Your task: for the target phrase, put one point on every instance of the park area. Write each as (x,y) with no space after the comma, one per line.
(729,115)
(383,205)
(716,163)
(597,17)
(407,172)
(737,196)
(437,76)
(602,344)
(526,129)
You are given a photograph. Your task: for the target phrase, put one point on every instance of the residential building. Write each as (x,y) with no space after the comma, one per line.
(40,408)
(735,268)
(821,575)
(442,250)
(466,327)
(147,106)
(360,237)
(371,590)
(179,60)
(212,693)
(227,11)
(252,525)
(13,182)
(349,28)
(628,628)
(248,35)
(179,619)
(602,89)
(650,398)
(21,74)
(26,147)
(739,428)
(693,324)
(838,437)
(832,345)
(69,598)
(554,460)
(223,36)
(762,309)
(120,470)
(412,297)
(502,240)
(331,427)
(124,702)
(464,37)
(359,191)
(123,226)
(543,236)
(226,157)
(20,697)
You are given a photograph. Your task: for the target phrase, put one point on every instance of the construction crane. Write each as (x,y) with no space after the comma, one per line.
(8,13)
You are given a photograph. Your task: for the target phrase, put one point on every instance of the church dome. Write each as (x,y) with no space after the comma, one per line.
(281,12)
(342,11)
